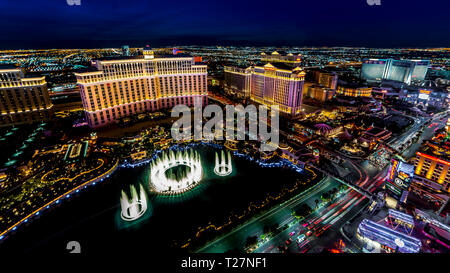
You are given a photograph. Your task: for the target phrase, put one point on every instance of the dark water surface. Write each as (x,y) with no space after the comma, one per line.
(92,217)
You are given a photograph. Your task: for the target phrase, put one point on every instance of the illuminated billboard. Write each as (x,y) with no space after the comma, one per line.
(399,178)
(424,94)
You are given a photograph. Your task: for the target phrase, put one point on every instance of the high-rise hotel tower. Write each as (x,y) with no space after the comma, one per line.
(115,88)
(24,97)
(269,84)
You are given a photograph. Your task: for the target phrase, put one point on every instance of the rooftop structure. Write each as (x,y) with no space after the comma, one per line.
(325,78)
(279,56)
(395,240)
(375,133)
(399,219)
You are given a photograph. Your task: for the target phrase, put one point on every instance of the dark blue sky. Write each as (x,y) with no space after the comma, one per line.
(104,23)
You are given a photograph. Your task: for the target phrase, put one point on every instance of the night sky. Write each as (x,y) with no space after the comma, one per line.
(111,23)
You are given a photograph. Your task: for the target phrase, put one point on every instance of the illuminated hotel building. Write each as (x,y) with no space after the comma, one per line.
(374,69)
(319,93)
(394,70)
(122,87)
(321,85)
(420,70)
(237,81)
(24,98)
(432,171)
(326,79)
(270,84)
(354,91)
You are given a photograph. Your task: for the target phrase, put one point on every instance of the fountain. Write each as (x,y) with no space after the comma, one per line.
(134,208)
(163,183)
(223,167)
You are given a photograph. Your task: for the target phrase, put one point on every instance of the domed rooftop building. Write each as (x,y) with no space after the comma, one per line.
(428,83)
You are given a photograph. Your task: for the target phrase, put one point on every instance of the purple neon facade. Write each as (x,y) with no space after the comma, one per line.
(388,237)
(401,217)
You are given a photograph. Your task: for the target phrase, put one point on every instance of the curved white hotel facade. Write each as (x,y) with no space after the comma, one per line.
(117,88)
